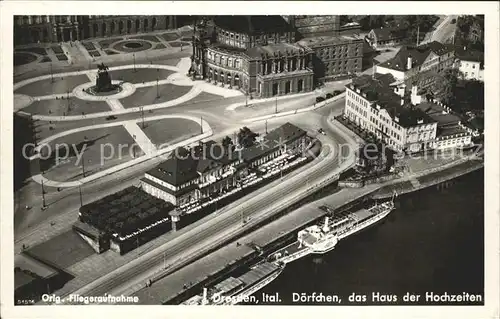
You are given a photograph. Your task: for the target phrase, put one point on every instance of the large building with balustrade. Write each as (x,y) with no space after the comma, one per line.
(62,28)
(255,54)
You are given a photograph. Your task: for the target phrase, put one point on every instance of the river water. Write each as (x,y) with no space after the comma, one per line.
(433,242)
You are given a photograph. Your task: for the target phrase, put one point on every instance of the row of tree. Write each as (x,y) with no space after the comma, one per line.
(245,138)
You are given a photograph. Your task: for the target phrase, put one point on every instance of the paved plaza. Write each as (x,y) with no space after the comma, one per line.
(62,97)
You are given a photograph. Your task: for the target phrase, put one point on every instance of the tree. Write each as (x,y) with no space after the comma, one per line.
(226,142)
(445,84)
(373,158)
(246,137)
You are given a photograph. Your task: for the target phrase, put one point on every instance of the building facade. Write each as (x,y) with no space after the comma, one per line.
(246,55)
(335,56)
(470,63)
(59,28)
(376,105)
(381,106)
(190,177)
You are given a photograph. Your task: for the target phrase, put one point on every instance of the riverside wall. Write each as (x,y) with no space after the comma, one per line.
(432,178)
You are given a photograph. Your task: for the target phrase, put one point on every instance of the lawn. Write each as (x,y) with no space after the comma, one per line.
(132,46)
(151,38)
(140,75)
(147,95)
(21,58)
(40,51)
(105,148)
(63,250)
(170,36)
(45,87)
(106,43)
(58,107)
(170,131)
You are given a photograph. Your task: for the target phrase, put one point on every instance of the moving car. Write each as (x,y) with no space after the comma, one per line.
(111,117)
(321,131)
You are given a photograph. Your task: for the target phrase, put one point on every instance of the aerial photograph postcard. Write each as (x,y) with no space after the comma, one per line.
(253,160)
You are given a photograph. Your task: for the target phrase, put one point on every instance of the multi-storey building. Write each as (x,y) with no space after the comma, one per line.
(59,28)
(308,26)
(335,56)
(253,54)
(470,63)
(416,65)
(208,169)
(379,105)
(385,37)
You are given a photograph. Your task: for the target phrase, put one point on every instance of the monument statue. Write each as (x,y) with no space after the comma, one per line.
(103,81)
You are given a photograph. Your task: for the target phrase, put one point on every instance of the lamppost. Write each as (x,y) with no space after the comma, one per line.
(67,98)
(201,124)
(276,105)
(43,195)
(142,115)
(51,74)
(81,197)
(157,79)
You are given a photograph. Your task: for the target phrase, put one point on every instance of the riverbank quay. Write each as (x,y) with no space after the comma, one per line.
(214,267)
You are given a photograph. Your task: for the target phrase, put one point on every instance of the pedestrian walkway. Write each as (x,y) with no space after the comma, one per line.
(115,105)
(179,78)
(207,132)
(253,102)
(140,137)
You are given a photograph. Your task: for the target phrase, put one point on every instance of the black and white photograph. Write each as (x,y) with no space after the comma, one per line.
(249,158)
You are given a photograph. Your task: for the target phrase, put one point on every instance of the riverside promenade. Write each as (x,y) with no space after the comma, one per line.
(189,279)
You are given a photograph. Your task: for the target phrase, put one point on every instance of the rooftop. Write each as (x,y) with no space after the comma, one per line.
(253,24)
(271,49)
(447,131)
(436,113)
(418,54)
(465,54)
(227,48)
(124,210)
(329,40)
(385,34)
(184,165)
(274,139)
(380,91)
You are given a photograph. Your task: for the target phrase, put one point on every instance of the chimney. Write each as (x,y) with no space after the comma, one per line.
(409,63)
(415,98)
(325,227)
(205,293)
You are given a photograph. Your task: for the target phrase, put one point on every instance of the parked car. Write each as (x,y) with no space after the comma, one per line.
(329,95)
(453,21)
(111,117)
(320,99)
(336,92)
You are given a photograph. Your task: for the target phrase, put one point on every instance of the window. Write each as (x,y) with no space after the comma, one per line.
(473,66)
